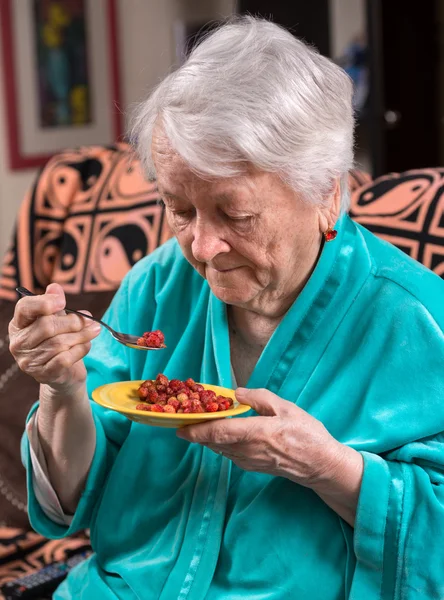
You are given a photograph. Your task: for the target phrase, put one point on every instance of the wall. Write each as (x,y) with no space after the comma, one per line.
(147,44)
(347,19)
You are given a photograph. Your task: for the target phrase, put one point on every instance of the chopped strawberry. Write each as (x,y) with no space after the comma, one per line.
(143,407)
(169,409)
(157,408)
(212,407)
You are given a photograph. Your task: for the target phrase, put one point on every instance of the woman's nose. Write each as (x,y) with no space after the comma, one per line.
(208,243)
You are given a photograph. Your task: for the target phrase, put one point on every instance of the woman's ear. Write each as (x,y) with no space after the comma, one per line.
(329,212)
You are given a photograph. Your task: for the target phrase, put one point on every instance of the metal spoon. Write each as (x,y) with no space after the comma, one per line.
(123,338)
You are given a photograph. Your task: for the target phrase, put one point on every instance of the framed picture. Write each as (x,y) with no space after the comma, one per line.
(61,76)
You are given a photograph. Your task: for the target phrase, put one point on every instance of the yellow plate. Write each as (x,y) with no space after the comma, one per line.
(123,398)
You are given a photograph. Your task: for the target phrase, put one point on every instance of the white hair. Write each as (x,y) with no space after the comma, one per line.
(252,93)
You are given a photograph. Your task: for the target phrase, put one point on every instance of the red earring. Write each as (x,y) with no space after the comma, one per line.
(330,234)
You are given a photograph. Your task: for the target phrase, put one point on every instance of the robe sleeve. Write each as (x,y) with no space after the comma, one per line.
(399,526)
(108,361)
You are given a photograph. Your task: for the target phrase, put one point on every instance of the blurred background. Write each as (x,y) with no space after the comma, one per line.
(72,69)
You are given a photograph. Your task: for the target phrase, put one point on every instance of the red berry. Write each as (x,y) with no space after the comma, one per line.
(224,405)
(143,392)
(143,407)
(161,388)
(186,410)
(197,387)
(207,396)
(157,408)
(169,409)
(185,404)
(141,342)
(196,407)
(153,396)
(162,379)
(212,407)
(189,382)
(174,402)
(154,339)
(176,385)
(162,399)
(220,399)
(182,397)
(160,335)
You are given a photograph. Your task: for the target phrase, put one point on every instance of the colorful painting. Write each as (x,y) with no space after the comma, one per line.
(62,63)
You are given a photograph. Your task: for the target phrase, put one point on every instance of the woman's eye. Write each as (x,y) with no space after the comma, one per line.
(240,220)
(182,215)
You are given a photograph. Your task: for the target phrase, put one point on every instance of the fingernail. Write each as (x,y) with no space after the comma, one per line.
(59,302)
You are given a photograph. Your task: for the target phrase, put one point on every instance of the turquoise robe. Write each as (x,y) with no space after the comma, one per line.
(362,350)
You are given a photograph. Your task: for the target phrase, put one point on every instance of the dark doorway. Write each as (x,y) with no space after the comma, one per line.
(406,67)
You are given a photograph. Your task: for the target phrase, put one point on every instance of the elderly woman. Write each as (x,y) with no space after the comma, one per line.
(334,487)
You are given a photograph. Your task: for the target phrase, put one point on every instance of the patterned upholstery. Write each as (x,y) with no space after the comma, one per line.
(87,220)
(406,209)
(24,552)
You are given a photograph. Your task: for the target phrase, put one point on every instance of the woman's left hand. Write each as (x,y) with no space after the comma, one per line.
(284,441)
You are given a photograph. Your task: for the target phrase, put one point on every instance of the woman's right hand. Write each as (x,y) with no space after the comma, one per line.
(48,344)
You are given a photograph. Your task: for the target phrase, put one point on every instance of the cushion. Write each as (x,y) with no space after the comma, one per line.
(406,209)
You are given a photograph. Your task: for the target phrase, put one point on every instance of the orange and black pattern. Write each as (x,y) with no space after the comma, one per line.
(25,552)
(89,217)
(406,209)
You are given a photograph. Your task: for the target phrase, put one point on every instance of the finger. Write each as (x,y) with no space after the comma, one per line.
(263,401)
(222,432)
(46,351)
(53,326)
(65,360)
(30,308)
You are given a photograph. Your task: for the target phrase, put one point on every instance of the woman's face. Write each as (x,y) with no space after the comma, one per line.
(251,237)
